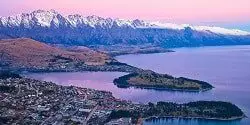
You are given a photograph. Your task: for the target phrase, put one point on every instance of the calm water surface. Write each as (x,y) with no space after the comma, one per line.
(226,68)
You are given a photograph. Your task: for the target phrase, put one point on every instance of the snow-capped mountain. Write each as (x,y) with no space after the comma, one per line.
(54,19)
(53,27)
(213,29)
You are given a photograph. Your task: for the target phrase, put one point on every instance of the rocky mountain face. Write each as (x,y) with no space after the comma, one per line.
(55,28)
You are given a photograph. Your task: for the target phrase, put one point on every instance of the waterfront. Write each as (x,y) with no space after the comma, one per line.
(226,68)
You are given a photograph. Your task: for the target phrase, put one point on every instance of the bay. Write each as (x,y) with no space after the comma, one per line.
(227,68)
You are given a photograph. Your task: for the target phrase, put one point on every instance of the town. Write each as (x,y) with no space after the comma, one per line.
(29,101)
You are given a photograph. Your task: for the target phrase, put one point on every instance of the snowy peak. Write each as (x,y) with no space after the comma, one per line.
(221,30)
(36,18)
(51,18)
(45,18)
(210,29)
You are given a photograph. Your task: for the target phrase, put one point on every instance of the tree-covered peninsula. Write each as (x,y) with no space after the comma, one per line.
(152,80)
(213,110)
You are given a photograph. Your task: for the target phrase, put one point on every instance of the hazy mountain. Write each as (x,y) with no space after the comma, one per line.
(52,27)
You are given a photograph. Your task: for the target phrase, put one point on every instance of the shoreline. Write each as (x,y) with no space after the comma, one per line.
(138,53)
(201,118)
(167,89)
(117,84)
(121,67)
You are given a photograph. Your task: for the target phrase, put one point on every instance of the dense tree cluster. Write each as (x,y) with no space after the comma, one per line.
(150,79)
(7,74)
(199,109)
(222,109)
(7,89)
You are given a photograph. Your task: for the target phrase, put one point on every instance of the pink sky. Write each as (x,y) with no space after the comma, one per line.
(164,10)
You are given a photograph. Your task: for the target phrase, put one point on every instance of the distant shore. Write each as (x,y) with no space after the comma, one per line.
(113,54)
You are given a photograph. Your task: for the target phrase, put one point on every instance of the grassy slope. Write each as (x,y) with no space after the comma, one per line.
(25,52)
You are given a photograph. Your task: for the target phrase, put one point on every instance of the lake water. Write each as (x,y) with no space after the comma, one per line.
(226,68)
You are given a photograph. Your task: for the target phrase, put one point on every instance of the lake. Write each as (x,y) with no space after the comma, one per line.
(227,68)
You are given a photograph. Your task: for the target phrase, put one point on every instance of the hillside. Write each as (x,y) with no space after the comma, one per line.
(28,53)
(55,28)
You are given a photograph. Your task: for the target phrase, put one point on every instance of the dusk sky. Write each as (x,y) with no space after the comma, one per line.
(226,13)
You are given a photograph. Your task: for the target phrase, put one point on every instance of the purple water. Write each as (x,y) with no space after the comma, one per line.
(226,68)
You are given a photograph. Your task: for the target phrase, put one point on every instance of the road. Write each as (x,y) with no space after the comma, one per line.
(90,115)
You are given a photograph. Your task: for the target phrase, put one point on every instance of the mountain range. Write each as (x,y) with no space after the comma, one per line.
(55,28)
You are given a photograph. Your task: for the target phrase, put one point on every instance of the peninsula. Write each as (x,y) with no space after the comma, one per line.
(152,80)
